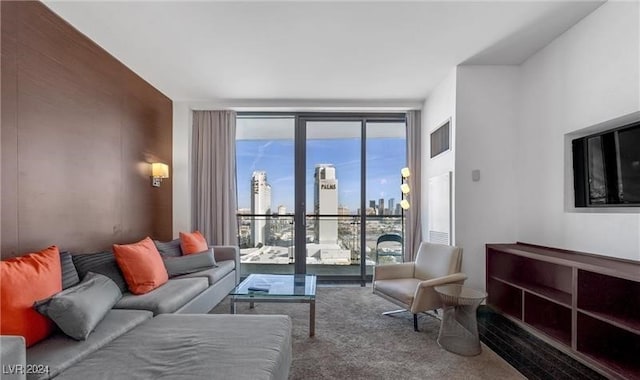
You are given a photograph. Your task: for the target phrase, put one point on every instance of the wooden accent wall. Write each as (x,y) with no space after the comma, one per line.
(79,130)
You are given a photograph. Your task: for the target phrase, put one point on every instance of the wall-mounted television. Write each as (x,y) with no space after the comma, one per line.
(606,168)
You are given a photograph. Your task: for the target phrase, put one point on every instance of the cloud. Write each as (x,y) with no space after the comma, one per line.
(282,179)
(260,154)
(347,163)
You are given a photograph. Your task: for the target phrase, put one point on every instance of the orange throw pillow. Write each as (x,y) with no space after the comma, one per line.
(141,265)
(193,243)
(24,280)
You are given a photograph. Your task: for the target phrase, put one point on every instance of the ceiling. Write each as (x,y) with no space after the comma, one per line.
(356,50)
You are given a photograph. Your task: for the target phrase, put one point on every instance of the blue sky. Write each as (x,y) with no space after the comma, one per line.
(385,158)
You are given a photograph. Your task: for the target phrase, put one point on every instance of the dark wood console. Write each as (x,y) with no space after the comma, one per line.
(583,304)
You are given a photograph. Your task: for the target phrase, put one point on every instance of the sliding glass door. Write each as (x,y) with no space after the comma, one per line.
(316,191)
(333,175)
(265,156)
(385,158)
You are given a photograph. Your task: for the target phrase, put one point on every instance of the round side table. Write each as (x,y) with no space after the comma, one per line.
(459,327)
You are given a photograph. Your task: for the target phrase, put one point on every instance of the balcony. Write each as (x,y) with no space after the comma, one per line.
(333,243)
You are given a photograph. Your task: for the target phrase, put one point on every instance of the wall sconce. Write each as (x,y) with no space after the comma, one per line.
(159,171)
(404,187)
(404,203)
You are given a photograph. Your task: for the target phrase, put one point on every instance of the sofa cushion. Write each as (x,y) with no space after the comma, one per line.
(192,242)
(69,273)
(141,265)
(79,309)
(195,346)
(100,262)
(165,299)
(59,352)
(169,248)
(195,262)
(23,281)
(213,275)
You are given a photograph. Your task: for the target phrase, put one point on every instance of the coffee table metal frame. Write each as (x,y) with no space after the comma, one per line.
(241,294)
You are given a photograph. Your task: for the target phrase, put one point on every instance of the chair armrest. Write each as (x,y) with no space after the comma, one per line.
(426,298)
(448,279)
(13,357)
(391,271)
(228,252)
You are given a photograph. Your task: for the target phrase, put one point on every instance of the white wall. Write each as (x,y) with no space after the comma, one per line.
(510,123)
(486,114)
(587,76)
(182,121)
(439,107)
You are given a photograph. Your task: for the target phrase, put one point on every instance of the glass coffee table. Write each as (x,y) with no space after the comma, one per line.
(296,288)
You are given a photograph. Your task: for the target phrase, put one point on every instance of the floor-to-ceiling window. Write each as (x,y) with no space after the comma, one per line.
(385,158)
(315,191)
(265,159)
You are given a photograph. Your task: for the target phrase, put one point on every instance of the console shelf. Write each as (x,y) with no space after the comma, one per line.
(585,305)
(551,294)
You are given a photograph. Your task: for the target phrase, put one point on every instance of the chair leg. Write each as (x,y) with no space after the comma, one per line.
(394,312)
(415,317)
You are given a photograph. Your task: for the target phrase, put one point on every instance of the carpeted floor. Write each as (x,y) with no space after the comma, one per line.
(355,341)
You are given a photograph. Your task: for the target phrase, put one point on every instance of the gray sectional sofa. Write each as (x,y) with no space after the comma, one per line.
(165,333)
(196,292)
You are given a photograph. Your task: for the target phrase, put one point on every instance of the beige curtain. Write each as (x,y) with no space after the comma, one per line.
(213,194)
(413,222)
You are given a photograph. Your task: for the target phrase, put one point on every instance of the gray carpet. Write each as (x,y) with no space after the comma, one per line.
(354,341)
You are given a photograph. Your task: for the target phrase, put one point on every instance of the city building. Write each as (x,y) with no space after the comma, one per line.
(260,205)
(325,194)
(325,248)
(391,207)
(381,206)
(344,210)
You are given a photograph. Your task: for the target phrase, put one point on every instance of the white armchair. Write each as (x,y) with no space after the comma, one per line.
(410,285)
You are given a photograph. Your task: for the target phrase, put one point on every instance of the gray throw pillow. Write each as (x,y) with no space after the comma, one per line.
(79,309)
(169,248)
(69,273)
(192,263)
(103,263)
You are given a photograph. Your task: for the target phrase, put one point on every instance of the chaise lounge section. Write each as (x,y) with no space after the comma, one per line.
(195,347)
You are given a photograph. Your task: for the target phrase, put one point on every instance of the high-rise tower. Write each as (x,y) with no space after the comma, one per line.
(260,204)
(326,202)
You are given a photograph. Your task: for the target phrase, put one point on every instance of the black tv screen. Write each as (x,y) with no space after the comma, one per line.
(629,156)
(606,168)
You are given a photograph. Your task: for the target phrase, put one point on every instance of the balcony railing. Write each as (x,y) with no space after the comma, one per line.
(333,240)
